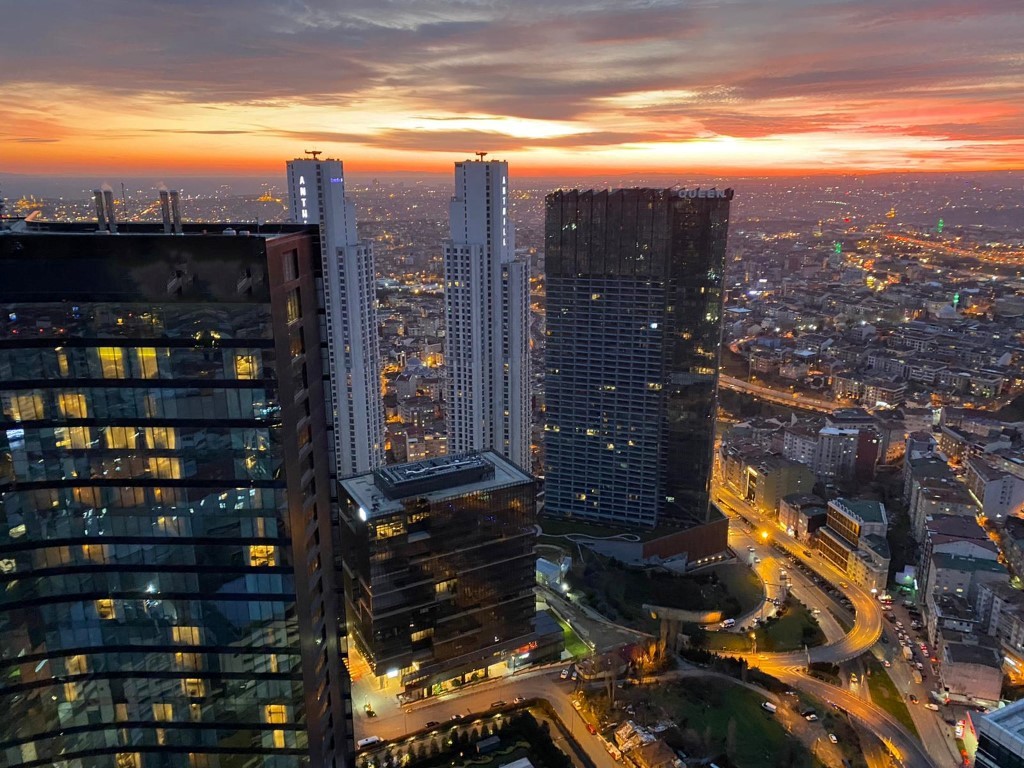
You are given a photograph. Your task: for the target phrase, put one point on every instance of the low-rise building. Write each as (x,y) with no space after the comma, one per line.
(997,492)
(970,668)
(802,514)
(853,540)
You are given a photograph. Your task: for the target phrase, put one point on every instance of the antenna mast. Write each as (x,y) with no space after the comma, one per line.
(315,153)
(480,155)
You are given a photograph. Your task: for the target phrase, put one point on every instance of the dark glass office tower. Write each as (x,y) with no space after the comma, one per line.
(634,303)
(439,568)
(163,503)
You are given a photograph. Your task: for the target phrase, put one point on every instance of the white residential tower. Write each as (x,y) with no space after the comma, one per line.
(317,190)
(486,318)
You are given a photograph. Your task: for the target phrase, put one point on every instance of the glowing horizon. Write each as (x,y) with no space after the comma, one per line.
(638,86)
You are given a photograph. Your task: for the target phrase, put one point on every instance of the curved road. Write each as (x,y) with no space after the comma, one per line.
(867,629)
(793,399)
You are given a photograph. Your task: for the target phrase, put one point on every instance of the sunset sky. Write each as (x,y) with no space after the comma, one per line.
(198,86)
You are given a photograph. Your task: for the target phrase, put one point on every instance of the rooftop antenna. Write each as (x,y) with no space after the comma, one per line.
(313,152)
(480,155)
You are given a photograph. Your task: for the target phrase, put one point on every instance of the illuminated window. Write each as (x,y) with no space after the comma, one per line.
(97,553)
(120,437)
(72,437)
(105,608)
(189,661)
(245,367)
(185,635)
(73,405)
(198,760)
(163,712)
(276,714)
(293,307)
(163,438)
(62,362)
(164,468)
(70,691)
(111,362)
(262,555)
(146,365)
(423,634)
(128,760)
(26,407)
(193,687)
(76,665)
(120,712)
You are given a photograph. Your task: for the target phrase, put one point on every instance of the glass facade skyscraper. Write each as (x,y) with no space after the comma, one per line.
(634,303)
(439,568)
(164,504)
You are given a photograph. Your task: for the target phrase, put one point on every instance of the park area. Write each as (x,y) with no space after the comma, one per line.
(793,630)
(714,716)
(885,694)
(619,591)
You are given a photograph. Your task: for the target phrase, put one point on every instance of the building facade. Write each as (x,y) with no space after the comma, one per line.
(439,567)
(347,305)
(486,293)
(633,312)
(853,540)
(1001,738)
(163,488)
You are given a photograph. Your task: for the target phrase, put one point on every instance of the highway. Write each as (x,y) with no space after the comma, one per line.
(867,629)
(781,397)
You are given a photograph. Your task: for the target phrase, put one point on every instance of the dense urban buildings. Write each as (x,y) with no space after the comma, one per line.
(634,300)
(348,304)
(439,568)
(164,502)
(486,291)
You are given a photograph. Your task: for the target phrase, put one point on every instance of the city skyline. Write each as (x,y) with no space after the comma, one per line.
(640,87)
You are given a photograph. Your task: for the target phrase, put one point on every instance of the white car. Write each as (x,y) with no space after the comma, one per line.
(832,738)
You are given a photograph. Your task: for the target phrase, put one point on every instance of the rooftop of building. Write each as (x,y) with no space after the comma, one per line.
(877,544)
(133,228)
(973,652)
(954,606)
(967,564)
(383,491)
(1009,719)
(957,526)
(867,510)
(802,500)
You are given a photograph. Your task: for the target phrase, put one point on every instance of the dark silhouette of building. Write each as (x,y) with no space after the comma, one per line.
(164,505)
(634,303)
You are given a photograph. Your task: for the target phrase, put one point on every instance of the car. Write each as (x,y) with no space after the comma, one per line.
(432,724)
(456,716)
(575,675)
(518,699)
(767,706)
(369,741)
(932,707)
(886,663)
(913,698)
(843,585)
(564,674)
(499,703)
(756,559)
(750,549)
(791,693)
(832,738)
(727,624)
(592,729)
(808,553)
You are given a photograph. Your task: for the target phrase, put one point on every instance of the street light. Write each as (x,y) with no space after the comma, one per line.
(753,640)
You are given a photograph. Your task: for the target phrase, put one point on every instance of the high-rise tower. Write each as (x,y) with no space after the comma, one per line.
(352,354)
(165,540)
(634,302)
(486,318)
